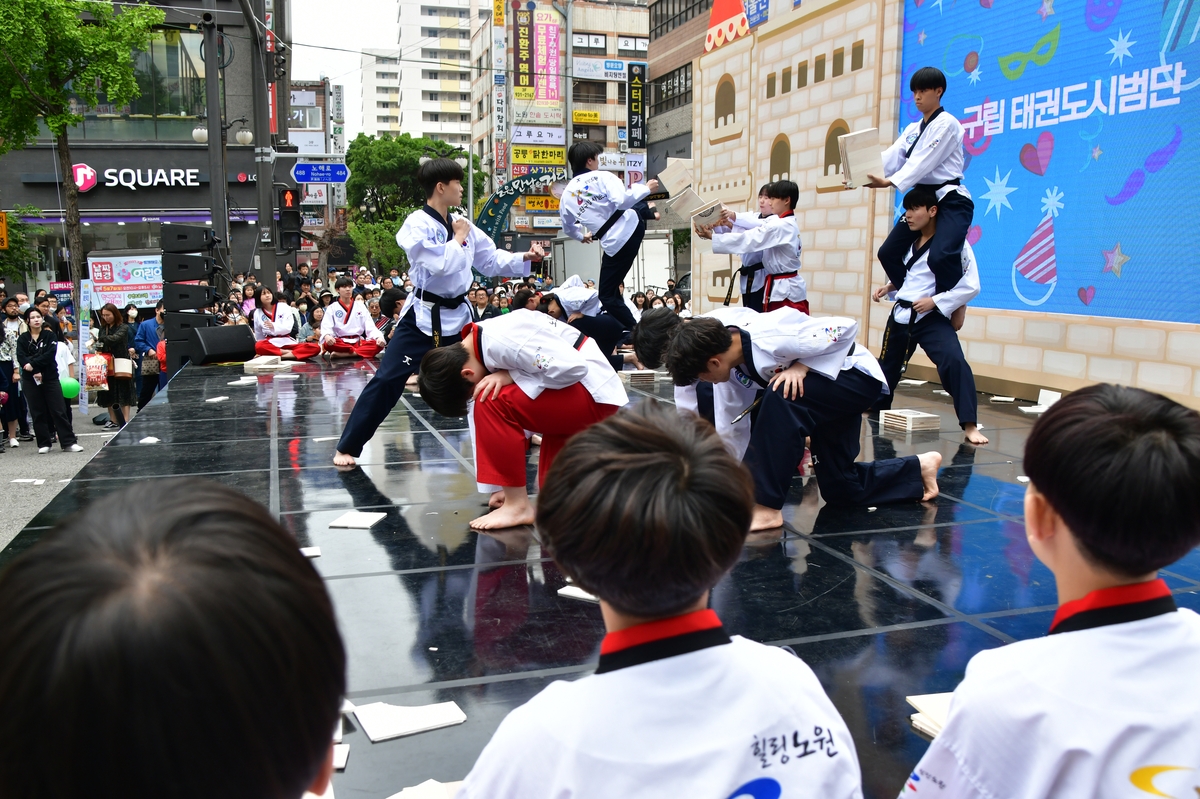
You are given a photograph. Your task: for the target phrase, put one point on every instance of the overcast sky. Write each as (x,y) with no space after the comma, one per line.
(350,24)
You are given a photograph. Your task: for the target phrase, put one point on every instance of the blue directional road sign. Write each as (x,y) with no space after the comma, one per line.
(328,172)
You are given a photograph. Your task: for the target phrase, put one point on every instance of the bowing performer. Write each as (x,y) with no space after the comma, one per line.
(276,330)
(930,318)
(521,371)
(579,306)
(442,249)
(347,330)
(776,238)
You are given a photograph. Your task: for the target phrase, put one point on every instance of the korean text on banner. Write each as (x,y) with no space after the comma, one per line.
(122,279)
(546,62)
(523,32)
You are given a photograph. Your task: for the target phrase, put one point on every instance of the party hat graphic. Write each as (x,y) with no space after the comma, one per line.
(726,22)
(1036,262)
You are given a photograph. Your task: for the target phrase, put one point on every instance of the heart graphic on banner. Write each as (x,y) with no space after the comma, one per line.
(1037,159)
(974,234)
(1086,295)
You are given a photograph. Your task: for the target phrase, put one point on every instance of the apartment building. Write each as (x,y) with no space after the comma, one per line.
(677,27)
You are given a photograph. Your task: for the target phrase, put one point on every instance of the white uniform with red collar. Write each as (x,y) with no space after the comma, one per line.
(277,328)
(1106,706)
(779,339)
(350,324)
(777,240)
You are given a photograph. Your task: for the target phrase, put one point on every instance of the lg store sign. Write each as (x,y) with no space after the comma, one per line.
(87,178)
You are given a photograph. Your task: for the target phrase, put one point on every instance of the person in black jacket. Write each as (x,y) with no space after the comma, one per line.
(116,339)
(36,349)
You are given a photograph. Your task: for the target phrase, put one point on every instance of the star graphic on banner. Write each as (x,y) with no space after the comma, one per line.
(1046,10)
(1120,47)
(938,3)
(997,193)
(921,37)
(1096,153)
(1114,260)
(1052,203)
(975,76)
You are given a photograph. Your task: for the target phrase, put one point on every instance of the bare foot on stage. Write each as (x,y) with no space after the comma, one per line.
(766,518)
(930,462)
(344,461)
(974,436)
(496,499)
(512,513)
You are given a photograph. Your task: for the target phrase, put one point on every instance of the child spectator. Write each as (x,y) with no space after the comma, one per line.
(677,707)
(1108,702)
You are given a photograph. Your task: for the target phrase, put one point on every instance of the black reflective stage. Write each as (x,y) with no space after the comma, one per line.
(881,602)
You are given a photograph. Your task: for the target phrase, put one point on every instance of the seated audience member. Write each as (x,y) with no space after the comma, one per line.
(1108,702)
(677,707)
(347,330)
(181,648)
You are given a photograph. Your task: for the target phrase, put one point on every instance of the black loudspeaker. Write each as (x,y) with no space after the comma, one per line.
(179,268)
(222,344)
(178,354)
(187,297)
(180,325)
(186,238)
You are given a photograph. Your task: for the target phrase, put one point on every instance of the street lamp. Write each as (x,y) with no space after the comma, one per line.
(244,136)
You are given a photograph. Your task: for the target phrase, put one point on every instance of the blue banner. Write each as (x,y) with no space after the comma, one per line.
(1078,147)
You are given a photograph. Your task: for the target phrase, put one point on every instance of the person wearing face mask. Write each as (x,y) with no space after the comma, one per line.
(657,302)
(145,342)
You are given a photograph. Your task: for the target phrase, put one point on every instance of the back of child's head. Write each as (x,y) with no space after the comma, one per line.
(344,283)
(1121,466)
(389,300)
(920,197)
(580,153)
(441,383)
(784,190)
(652,335)
(692,345)
(647,510)
(171,644)
(927,78)
(435,171)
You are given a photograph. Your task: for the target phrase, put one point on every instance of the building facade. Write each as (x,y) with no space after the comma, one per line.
(676,27)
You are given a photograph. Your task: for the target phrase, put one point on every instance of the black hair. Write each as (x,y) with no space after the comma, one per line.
(344,283)
(692,345)
(762,190)
(652,335)
(927,78)
(305,281)
(389,300)
(435,171)
(920,197)
(441,383)
(45,298)
(649,487)
(580,153)
(148,640)
(521,298)
(1121,466)
(258,300)
(784,190)
(158,306)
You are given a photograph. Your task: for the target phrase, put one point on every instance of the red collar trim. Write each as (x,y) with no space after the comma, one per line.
(693,622)
(345,307)
(272,314)
(1111,597)
(475,332)
(786,214)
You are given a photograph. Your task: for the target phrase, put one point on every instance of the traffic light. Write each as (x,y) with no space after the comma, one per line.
(290,220)
(280,66)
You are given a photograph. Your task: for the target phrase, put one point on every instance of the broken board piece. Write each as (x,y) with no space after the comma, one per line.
(575,592)
(357,519)
(430,789)
(341,753)
(382,722)
(310,552)
(909,420)
(932,712)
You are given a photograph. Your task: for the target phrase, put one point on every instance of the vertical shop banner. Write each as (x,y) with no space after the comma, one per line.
(523,62)
(635,106)
(85,336)
(498,12)
(546,63)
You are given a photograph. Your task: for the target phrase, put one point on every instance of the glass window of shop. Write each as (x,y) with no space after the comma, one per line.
(50,245)
(170,77)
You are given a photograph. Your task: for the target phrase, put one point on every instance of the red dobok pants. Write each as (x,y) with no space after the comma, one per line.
(363,348)
(303,351)
(500,426)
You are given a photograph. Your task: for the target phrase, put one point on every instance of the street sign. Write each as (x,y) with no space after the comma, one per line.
(308,172)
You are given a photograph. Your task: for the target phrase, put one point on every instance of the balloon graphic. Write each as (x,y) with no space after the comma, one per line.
(70,387)
(971,61)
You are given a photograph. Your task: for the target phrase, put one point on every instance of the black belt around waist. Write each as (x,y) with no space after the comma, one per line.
(936,186)
(608,223)
(579,341)
(438,302)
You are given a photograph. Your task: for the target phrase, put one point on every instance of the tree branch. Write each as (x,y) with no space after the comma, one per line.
(46,104)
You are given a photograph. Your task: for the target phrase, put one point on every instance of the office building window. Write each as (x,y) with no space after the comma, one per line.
(667,15)
(671,90)
(621,87)
(590,91)
(387,76)
(596,133)
(593,44)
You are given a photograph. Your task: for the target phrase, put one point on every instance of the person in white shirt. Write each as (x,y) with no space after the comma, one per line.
(347,329)
(579,306)
(277,330)
(595,205)
(752,277)
(1107,705)
(816,382)
(521,371)
(930,318)
(442,249)
(774,240)
(677,706)
(929,154)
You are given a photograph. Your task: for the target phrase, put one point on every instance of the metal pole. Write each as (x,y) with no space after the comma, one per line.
(264,164)
(216,133)
(470,184)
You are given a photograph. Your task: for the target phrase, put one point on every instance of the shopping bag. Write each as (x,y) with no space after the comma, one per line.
(95,370)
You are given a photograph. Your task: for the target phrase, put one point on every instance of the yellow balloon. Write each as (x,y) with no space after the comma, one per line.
(1143,778)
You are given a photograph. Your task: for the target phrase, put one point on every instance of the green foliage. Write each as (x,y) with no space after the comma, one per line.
(375,242)
(16,260)
(56,56)
(383,174)
(680,239)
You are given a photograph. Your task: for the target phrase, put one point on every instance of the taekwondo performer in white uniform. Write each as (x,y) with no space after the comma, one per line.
(595,205)
(521,371)
(648,512)
(929,153)
(775,239)
(923,316)
(347,329)
(1107,705)
(752,276)
(816,382)
(275,329)
(579,306)
(442,250)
